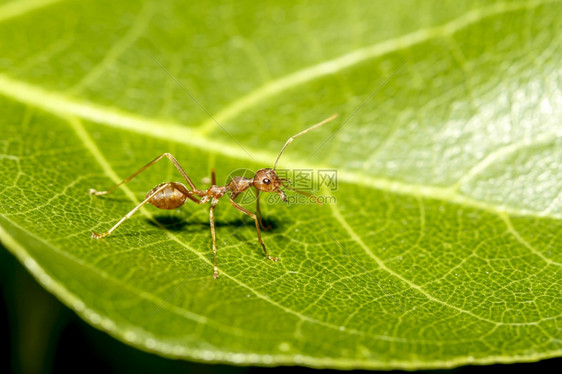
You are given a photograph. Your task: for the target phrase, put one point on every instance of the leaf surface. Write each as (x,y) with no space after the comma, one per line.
(442,246)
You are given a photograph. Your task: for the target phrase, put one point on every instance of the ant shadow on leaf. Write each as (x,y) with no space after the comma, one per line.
(177,223)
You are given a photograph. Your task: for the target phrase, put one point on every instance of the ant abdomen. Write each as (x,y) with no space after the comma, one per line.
(170,197)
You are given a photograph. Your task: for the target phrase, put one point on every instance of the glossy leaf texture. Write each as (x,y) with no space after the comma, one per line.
(442,248)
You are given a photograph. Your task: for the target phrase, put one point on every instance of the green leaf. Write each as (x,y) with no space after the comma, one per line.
(443,247)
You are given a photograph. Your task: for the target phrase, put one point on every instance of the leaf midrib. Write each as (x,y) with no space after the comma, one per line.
(19,8)
(64,107)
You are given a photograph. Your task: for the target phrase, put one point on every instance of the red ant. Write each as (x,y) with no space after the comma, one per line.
(172,195)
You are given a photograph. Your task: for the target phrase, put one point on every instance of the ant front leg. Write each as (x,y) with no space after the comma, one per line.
(255,218)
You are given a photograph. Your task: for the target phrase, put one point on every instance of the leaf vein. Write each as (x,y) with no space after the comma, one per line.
(511,229)
(363,54)
(339,217)
(118,48)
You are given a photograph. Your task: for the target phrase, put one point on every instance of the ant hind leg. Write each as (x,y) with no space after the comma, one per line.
(170,157)
(128,215)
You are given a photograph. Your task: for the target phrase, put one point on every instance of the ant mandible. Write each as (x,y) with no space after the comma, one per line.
(172,195)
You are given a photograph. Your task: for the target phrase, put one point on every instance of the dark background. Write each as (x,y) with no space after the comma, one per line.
(38,334)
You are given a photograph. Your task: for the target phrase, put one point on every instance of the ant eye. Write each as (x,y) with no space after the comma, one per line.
(266,181)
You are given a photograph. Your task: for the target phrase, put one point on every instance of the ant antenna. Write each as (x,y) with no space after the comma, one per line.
(333,116)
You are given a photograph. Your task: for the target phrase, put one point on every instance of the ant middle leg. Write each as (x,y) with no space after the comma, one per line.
(258,212)
(196,191)
(213,234)
(255,218)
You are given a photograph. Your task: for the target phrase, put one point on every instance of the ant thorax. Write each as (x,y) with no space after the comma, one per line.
(239,184)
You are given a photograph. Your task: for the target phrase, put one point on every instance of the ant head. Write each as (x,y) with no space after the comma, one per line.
(267,180)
